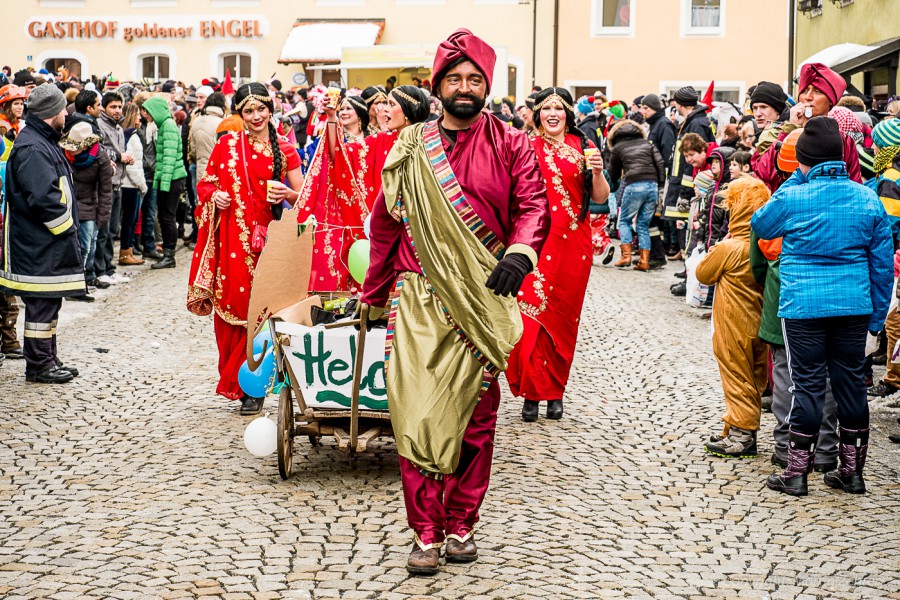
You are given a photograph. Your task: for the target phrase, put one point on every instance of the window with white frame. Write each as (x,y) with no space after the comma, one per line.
(612,17)
(238,64)
(702,17)
(155,66)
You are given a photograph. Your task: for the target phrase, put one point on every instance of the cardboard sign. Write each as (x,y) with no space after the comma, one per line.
(322,362)
(282,274)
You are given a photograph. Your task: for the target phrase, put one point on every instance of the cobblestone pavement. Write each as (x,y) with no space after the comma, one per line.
(132,482)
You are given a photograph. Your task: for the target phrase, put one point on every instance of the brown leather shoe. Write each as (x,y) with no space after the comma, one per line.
(460,552)
(422,562)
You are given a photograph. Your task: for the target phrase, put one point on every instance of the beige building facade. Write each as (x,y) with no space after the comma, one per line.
(189,40)
(623,47)
(860,39)
(628,48)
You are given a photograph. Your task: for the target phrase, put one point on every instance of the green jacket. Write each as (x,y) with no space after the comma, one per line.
(169,163)
(766,273)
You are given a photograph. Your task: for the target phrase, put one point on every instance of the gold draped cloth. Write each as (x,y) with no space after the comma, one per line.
(448,334)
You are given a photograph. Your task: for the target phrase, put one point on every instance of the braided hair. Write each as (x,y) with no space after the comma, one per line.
(571,127)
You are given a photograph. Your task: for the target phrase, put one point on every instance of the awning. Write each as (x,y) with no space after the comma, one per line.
(324,40)
(885,54)
(836,54)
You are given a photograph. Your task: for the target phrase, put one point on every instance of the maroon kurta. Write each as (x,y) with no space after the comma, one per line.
(500,177)
(498,172)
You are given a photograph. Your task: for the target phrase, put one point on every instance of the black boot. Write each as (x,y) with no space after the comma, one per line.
(168,261)
(530,411)
(801,453)
(152,254)
(251,405)
(555,409)
(848,477)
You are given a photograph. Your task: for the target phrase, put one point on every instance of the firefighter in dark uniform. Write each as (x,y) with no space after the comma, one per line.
(41,258)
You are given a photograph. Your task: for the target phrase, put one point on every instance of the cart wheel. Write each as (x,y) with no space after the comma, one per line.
(314,441)
(285,432)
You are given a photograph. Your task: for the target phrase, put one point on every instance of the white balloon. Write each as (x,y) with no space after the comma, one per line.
(261,437)
(367,226)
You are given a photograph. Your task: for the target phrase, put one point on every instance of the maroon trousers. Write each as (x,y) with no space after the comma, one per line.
(439,508)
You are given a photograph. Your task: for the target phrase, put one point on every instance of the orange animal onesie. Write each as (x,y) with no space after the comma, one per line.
(737,308)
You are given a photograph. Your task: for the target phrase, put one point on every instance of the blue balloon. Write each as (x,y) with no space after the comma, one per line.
(256,383)
(261,338)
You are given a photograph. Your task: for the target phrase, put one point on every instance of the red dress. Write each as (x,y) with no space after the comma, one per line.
(552,296)
(225,259)
(357,168)
(339,193)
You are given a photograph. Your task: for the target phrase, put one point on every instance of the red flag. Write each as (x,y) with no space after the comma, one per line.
(227,86)
(708,96)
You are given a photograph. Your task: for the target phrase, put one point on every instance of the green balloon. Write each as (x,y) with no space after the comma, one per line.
(358,260)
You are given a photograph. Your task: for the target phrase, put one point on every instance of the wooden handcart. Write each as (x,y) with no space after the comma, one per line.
(352,428)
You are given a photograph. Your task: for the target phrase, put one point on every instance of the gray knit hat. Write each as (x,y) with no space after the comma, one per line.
(46,101)
(652,102)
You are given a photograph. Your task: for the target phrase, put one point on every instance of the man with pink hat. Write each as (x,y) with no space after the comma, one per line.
(820,90)
(459,224)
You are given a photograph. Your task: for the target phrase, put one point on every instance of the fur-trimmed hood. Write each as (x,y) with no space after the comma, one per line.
(626,129)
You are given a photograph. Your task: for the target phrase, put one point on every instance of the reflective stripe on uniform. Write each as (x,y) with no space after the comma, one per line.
(60,224)
(674,213)
(64,221)
(38,330)
(60,284)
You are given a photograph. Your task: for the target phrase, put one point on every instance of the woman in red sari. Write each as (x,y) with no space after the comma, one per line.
(345,178)
(236,200)
(552,296)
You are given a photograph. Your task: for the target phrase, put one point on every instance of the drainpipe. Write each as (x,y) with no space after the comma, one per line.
(534,45)
(555,40)
(792,33)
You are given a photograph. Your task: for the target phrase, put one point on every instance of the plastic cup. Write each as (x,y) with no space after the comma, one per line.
(269,185)
(589,152)
(334,96)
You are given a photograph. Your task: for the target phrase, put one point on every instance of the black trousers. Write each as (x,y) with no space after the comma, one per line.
(832,347)
(167,206)
(106,235)
(657,247)
(41,315)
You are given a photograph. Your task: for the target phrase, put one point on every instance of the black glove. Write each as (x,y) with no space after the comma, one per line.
(381,320)
(508,275)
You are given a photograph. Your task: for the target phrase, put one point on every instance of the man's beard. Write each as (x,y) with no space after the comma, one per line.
(460,110)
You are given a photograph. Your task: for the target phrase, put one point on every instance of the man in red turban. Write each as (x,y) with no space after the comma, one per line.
(459,223)
(820,90)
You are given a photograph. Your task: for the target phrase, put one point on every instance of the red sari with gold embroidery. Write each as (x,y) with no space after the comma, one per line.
(336,198)
(357,168)
(224,259)
(552,295)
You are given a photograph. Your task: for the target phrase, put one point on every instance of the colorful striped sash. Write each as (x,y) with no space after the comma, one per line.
(434,149)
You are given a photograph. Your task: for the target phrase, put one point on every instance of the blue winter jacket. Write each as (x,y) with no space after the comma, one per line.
(837,253)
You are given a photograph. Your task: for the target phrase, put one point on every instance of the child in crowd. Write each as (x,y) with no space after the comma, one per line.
(740,164)
(737,311)
(712,216)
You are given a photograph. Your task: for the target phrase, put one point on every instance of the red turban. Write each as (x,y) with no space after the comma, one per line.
(824,79)
(462,43)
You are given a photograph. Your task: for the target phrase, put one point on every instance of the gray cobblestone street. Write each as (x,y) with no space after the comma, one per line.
(133,481)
